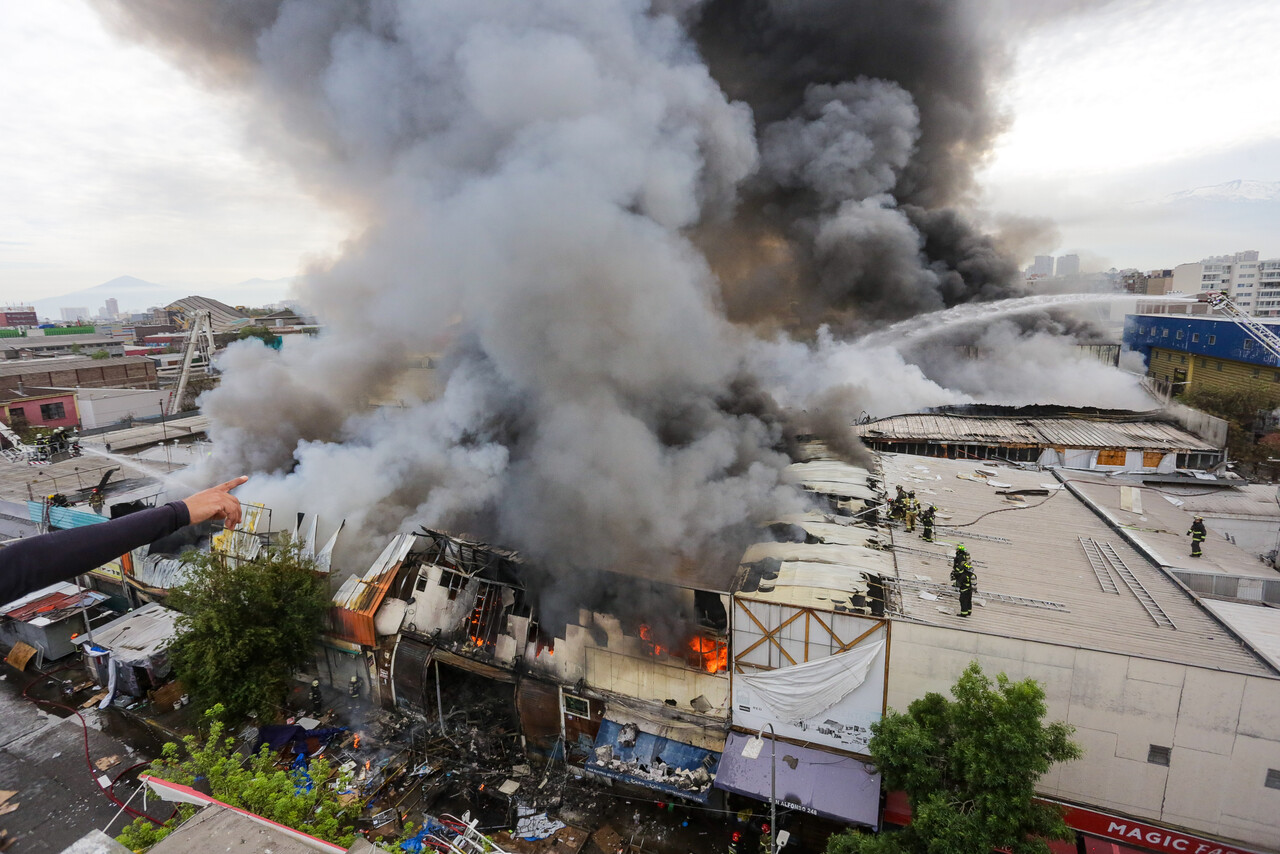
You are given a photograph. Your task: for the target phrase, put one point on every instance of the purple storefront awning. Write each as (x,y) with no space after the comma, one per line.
(821,783)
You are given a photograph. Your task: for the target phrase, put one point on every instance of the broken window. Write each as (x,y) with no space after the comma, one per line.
(1111,457)
(577,706)
(485,621)
(453,582)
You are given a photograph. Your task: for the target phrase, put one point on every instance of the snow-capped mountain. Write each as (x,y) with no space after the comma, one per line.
(1231,191)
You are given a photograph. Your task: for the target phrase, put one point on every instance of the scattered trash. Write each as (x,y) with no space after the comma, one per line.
(535,825)
(926,595)
(20,655)
(509,787)
(106,762)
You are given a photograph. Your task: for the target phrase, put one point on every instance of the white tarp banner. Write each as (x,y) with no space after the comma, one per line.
(807,690)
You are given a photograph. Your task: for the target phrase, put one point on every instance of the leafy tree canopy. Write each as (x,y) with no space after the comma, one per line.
(261,332)
(246,627)
(306,801)
(969,767)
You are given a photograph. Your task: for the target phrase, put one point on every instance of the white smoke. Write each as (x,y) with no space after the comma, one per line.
(525,176)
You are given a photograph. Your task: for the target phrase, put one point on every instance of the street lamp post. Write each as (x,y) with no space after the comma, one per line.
(773,790)
(751,750)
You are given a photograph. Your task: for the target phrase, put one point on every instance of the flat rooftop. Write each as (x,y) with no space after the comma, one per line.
(150,433)
(1140,432)
(1027,552)
(1157,516)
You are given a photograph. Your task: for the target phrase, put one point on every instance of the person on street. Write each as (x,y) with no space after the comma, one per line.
(35,562)
(1197,534)
(962,576)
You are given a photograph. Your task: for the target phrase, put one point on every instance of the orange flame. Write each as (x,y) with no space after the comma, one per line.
(712,655)
(476,623)
(646,635)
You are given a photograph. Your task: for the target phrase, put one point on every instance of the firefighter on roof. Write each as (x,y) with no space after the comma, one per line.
(899,506)
(1197,534)
(962,576)
(911,510)
(926,519)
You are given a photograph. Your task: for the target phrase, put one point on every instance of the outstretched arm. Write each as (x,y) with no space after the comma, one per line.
(37,562)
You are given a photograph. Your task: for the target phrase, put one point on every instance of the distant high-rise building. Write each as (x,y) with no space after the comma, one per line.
(1159,282)
(111,309)
(1042,266)
(1252,284)
(74,313)
(1134,281)
(1068,265)
(18,315)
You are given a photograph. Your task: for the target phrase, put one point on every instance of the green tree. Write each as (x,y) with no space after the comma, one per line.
(1241,411)
(307,801)
(246,627)
(969,767)
(99,355)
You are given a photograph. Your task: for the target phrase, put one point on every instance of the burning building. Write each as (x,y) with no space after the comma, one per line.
(645,686)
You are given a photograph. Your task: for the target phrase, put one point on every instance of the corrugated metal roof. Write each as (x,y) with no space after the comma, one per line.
(1043,560)
(1252,500)
(358,599)
(1257,622)
(1161,526)
(1063,432)
(19,367)
(138,634)
(224,317)
(160,573)
(60,598)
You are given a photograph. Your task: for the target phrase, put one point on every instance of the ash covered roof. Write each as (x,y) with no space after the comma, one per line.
(830,566)
(1138,433)
(1029,551)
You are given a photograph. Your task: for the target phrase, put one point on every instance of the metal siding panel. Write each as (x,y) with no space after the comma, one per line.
(538,705)
(409,674)
(352,626)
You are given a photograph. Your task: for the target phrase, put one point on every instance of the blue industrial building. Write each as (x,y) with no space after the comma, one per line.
(1213,337)
(1196,353)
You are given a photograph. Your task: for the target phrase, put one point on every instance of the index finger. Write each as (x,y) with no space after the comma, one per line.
(231,484)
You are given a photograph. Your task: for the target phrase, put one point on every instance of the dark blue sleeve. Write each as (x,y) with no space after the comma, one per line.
(37,562)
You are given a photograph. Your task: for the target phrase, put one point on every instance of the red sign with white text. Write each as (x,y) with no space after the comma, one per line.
(1144,835)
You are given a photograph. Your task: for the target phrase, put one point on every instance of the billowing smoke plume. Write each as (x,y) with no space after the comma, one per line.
(524,174)
(557,202)
(872,117)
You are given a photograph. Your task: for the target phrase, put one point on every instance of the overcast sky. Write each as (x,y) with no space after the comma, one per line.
(112,162)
